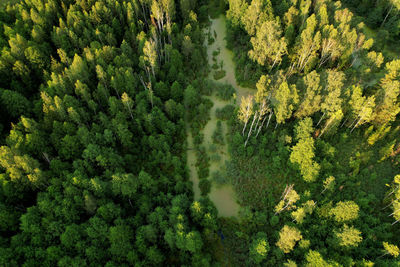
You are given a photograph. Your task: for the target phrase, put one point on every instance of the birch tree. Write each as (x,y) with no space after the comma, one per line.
(283,101)
(362,107)
(394,198)
(245,110)
(329,45)
(303,152)
(311,100)
(236,11)
(255,15)
(288,199)
(288,237)
(332,102)
(392,4)
(268,45)
(150,54)
(387,105)
(307,46)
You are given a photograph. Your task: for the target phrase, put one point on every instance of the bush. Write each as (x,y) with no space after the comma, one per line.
(198,138)
(211,39)
(225,113)
(215,157)
(219,178)
(225,91)
(218,136)
(205,187)
(274,220)
(219,74)
(202,162)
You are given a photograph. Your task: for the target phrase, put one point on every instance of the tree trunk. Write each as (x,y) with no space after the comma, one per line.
(269,118)
(320,119)
(251,128)
(390,10)
(344,122)
(322,132)
(244,128)
(394,212)
(259,128)
(356,124)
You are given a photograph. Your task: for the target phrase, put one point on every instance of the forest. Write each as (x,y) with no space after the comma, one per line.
(199,133)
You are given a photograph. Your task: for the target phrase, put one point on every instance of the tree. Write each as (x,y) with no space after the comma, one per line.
(311,101)
(256,14)
(187,46)
(392,3)
(288,199)
(245,110)
(288,236)
(268,45)
(259,248)
(362,107)
(390,249)
(314,259)
(236,11)
(345,211)
(307,46)
(329,184)
(348,237)
(299,214)
(120,237)
(284,101)
(332,102)
(387,106)
(14,103)
(303,152)
(150,54)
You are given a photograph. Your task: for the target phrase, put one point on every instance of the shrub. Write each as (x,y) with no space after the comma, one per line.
(205,187)
(219,74)
(225,113)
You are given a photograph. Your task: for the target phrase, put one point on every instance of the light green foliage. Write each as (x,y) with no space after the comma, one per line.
(314,259)
(303,152)
(268,45)
(310,103)
(348,236)
(259,248)
(299,214)
(391,249)
(284,101)
(237,8)
(345,211)
(288,236)
(290,263)
(387,106)
(329,184)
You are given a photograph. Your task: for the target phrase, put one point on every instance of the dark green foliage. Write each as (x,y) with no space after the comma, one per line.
(96,100)
(225,113)
(219,74)
(219,178)
(205,187)
(93,156)
(225,91)
(218,135)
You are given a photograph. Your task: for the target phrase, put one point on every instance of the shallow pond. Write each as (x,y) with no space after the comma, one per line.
(224,196)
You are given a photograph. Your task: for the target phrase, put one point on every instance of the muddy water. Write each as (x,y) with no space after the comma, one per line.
(223,196)
(219,26)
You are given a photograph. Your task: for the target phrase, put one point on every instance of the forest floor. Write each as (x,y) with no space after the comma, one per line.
(223,196)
